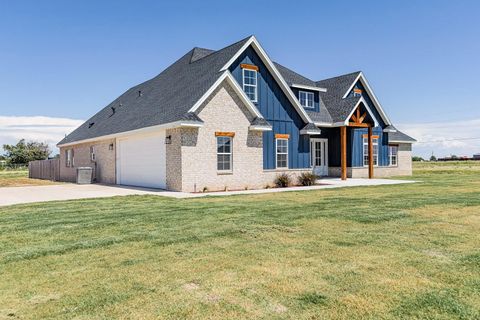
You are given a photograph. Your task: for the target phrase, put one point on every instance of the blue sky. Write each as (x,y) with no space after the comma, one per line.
(64,60)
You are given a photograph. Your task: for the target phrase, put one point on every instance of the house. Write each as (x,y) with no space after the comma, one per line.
(476,156)
(232,118)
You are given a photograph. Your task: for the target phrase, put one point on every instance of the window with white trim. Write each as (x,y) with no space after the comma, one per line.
(393,155)
(224,153)
(250,83)
(282,153)
(365,151)
(306,99)
(92,153)
(69,158)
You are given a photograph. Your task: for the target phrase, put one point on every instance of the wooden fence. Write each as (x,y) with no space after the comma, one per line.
(44,169)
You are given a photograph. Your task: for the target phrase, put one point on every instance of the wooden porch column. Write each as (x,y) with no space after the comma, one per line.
(343,151)
(370,153)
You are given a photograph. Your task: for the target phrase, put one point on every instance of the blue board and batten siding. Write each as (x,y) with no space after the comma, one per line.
(356,139)
(275,107)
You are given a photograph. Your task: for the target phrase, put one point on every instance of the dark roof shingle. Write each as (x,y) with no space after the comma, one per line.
(163,99)
(291,77)
(338,107)
(399,136)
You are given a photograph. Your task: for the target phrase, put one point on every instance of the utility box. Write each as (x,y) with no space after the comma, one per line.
(84,175)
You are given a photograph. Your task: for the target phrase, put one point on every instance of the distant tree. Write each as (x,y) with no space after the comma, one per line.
(23,152)
(454,156)
(433,158)
(417,158)
(2,157)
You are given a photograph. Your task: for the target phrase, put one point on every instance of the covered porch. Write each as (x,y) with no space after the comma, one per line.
(335,152)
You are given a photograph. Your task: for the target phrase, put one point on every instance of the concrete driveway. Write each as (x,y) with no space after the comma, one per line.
(68,191)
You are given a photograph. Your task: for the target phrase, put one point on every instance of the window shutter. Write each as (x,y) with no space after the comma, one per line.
(73,158)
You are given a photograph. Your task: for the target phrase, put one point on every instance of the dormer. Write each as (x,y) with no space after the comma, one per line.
(308,96)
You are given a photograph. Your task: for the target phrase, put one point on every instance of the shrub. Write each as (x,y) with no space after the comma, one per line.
(282,180)
(307,179)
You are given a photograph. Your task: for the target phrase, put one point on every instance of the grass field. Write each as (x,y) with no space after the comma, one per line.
(387,252)
(19,178)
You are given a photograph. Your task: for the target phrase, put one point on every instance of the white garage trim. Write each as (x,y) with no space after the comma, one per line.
(143,130)
(141,160)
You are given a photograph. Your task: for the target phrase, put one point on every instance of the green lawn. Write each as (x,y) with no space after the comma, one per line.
(19,178)
(404,251)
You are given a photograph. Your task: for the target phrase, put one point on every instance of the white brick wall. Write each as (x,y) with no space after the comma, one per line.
(222,112)
(195,165)
(104,165)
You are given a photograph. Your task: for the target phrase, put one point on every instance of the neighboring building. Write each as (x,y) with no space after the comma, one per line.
(476,156)
(233,119)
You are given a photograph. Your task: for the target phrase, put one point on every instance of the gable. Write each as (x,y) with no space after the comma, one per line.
(272,102)
(253,45)
(368,100)
(225,108)
(276,108)
(367,92)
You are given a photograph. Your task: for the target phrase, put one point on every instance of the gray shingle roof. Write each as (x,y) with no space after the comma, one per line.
(338,108)
(260,122)
(192,117)
(389,128)
(168,96)
(163,99)
(199,53)
(310,127)
(322,116)
(400,136)
(292,77)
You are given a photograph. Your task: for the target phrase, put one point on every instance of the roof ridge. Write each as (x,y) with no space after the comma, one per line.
(219,50)
(200,53)
(342,75)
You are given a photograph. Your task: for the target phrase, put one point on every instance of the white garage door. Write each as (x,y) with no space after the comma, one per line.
(141,161)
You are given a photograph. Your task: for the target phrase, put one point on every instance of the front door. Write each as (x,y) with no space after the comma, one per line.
(319,148)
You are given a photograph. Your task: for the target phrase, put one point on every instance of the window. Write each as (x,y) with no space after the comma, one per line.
(375,150)
(92,153)
(224,153)
(357,92)
(306,99)
(69,157)
(282,153)
(250,83)
(393,155)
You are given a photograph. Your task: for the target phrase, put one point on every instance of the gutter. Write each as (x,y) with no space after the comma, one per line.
(170,125)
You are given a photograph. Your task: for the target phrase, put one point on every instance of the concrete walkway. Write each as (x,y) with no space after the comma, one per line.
(18,195)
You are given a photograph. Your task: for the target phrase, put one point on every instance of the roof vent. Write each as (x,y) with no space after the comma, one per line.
(90,124)
(140,93)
